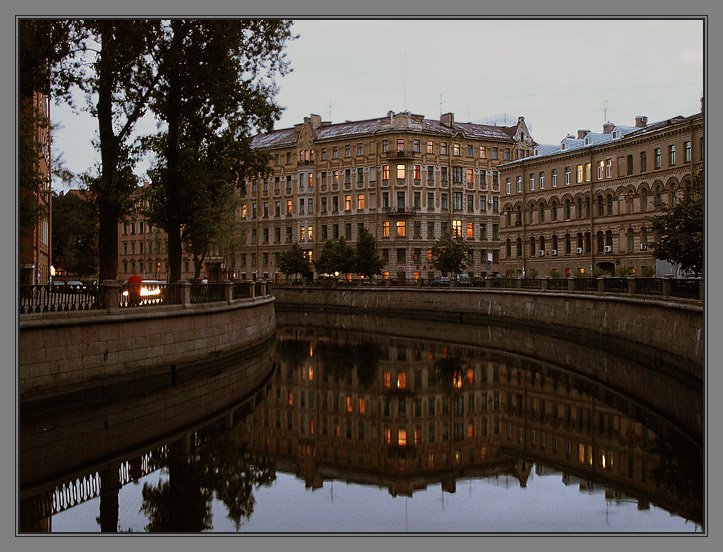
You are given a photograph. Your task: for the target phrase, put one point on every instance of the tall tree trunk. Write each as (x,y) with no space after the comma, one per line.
(107,213)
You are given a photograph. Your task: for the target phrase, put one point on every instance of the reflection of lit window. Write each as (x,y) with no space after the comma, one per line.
(402,437)
(362,405)
(457,382)
(430,460)
(581,453)
(470,431)
(470,376)
(402,380)
(387,378)
(311,373)
(418,436)
(387,435)
(311,426)
(348,403)
(291,399)
(336,428)
(303,373)
(457,456)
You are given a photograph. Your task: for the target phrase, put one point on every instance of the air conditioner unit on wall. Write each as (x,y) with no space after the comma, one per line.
(608,249)
(554,252)
(542,252)
(579,250)
(643,246)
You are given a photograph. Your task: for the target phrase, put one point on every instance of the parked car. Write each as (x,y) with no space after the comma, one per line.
(58,286)
(463,280)
(75,286)
(442,281)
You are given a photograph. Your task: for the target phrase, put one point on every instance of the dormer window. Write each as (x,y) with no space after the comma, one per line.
(564,146)
(616,134)
(587,141)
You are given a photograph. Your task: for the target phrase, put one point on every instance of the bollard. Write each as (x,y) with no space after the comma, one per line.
(667,287)
(228,291)
(184,292)
(111,295)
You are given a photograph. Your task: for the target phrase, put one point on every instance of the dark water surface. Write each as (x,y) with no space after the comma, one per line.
(369,424)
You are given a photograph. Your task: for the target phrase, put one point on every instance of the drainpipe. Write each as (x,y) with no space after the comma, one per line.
(592,223)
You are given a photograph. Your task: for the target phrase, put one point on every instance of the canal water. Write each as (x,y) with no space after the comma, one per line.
(384,425)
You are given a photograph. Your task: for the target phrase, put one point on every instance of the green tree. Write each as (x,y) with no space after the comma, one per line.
(336,256)
(680,228)
(75,235)
(210,127)
(449,255)
(293,261)
(367,261)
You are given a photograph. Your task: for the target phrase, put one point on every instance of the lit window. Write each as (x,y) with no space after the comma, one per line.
(400,144)
(311,233)
(348,403)
(470,230)
(579,174)
(417,172)
(360,201)
(456,150)
(456,228)
(385,172)
(430,147)
(482,152)
(401,171)
(385,229)
(401,229)
(402,436)
(302,234)
(402,380)
(600,169)
(347,202)
(362,405)
(588,170)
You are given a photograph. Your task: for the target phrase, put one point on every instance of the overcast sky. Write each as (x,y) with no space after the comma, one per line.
(559,74)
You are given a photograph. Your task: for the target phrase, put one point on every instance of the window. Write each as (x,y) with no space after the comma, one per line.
(630,164)
(334,204)
(470,230)
(417,172)
(360,202)
(456,150)
(643,161)
(310,181)
(417,146)
(417,199)
(311,233)
(385,229)
(430,147)
(688,152)
(347,176)
(470,203)
(335,153)
(495,231)
(400,144)
(443,175)
(567,176)
(495,153)
(443,148)
(301,206)
(519,184)
(385,146)
(483,231)
(277,208)
(335,176)
(288,157)
(302,233)
(360,175)
(456,228)
(554,178)
(482,152)
(347,150)
(658,158)
(470,150)
(430,175)
(347,230)
(430,230)
(385,199)
(644,200)
(495,204)
(495,181)
(401,172)
(430,200)
(542,181)
(600,170)
(532,182)
(507,154)
(579,174)
(508,187)
(671,155)
(401,229)
(444,202)
(470,176)
(568,209)
(347,202)
(385,172)
(457,175)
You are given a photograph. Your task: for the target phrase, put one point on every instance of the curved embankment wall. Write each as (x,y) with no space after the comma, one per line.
(83,355)
(670,332)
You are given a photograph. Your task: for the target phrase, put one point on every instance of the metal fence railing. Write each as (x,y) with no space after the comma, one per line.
(59,298)
(687,289)
(649,286)
(207,293)
(619,285)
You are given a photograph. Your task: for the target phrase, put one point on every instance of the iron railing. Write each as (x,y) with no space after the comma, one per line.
(59,298)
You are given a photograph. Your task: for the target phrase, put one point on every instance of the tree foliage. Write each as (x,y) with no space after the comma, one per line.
(293,262)
(679,228)
(368,263)
(213,95)
(75,234)
(449,255)
(336,256)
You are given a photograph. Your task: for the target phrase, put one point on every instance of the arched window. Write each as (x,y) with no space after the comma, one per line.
(542,212)
(644,200)
(587,207)
(554,210)
(579,207)
(673,194)
(518,220)
(508,214)
(600,206)
(631,239)
(567,209)
(508,245)
(609,205)
(658,194)
(600,241)
(568,244)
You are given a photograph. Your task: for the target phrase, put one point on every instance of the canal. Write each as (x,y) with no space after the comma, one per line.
(359,423)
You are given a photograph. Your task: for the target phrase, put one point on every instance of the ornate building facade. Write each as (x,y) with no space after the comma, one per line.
(406,179)
(585,204)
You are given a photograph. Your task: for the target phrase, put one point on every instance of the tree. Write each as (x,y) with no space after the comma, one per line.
(294,261)
(115,68)
(336,256)
(449,254)
(680,228)
(75,234)
(43,46)
(210,127)
(367,261)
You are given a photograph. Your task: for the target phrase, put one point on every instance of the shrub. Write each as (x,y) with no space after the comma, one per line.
(648,272)
(510,273)
(533,273)
(555,274)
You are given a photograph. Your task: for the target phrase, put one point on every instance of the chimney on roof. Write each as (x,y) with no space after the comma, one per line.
(641,121)
(608,127)
(581,133)
(520,119)
(447,120)
(314,120)
(702,104)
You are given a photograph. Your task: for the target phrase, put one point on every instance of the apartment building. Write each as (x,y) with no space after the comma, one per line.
(585,204)
(407,179)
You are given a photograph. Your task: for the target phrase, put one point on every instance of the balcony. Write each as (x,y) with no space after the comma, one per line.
(402,154)
(401,211)
(305,164)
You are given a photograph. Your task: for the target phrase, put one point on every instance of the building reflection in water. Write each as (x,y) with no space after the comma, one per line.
(404,414)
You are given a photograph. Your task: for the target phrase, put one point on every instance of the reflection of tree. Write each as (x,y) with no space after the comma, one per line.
(220,465)
(293,351)
(340,359)
(681,471)
(448,372)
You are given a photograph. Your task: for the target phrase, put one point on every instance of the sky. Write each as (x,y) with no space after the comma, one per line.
(561,75)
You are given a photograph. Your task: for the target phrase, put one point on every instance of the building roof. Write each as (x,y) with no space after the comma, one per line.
(288,137)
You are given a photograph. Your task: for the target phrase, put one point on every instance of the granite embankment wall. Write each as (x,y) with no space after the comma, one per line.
(80,354)
(673,328)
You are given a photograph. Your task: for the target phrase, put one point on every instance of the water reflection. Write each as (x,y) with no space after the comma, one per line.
(377,409)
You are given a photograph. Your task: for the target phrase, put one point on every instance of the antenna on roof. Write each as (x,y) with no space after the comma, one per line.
(440,103)
(330,119)
(404,89)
